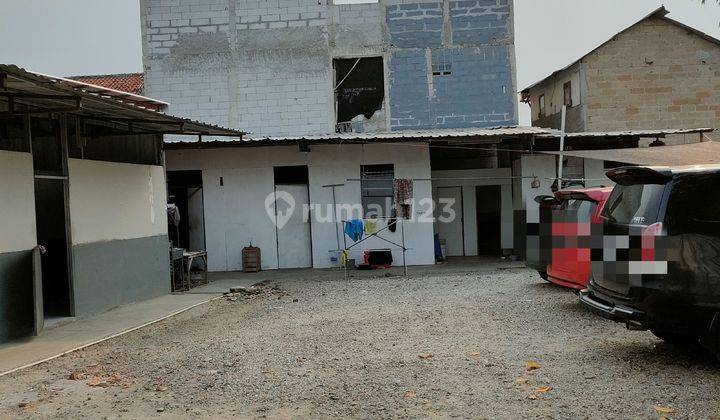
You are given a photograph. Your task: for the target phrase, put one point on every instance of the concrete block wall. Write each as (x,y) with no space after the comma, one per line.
(265,66)
(655,75)
(473,95)
(474,40)
(415,25)
(256,65)
(481,21)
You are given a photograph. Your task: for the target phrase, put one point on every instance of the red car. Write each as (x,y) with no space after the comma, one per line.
(572,225)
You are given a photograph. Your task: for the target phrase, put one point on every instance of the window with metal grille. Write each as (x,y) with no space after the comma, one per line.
(442,69)
(376,188)
(567,94)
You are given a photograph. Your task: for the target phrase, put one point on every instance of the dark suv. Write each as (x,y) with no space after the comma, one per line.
(657,265)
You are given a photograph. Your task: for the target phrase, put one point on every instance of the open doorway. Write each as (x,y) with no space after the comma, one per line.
(185,190)
(294,236)
(489,219)
(52,235)
(49,146)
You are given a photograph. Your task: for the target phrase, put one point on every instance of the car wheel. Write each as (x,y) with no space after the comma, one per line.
(544,275)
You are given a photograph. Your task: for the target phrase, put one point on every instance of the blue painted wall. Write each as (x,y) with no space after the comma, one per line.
(474,42)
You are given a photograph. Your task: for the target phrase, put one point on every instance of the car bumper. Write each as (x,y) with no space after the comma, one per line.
(609,310)
(566,283)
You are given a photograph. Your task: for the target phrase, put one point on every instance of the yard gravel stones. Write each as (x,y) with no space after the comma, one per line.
(469,340)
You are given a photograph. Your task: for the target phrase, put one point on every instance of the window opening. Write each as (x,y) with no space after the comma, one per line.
(567,94)
(359,90)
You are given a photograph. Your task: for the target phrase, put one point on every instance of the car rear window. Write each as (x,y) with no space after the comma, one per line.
(694,205)
(634,204)
(582,209)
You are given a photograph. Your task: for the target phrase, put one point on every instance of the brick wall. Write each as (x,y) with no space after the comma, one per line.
(265,66)
(654,76)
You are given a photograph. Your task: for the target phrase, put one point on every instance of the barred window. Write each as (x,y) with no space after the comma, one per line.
(377,189)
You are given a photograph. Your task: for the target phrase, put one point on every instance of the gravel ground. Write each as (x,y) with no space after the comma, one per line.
(444,343)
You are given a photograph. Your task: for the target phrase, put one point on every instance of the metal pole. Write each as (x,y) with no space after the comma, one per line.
(334,210)
(344,249)
(402,233)
(562,147)
(335,218)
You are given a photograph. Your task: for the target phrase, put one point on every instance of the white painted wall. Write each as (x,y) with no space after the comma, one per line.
(543,167)
(470,220)
(235,213)
(17,202)
(116,201)
(451,232)
(480,177)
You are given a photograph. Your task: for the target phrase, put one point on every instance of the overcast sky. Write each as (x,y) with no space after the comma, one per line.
(73,37)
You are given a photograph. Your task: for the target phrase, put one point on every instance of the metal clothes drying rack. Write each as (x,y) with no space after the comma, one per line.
(376,234)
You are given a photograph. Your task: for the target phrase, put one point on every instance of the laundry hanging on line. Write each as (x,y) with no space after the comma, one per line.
(403,195)
(370,226)
(354,229)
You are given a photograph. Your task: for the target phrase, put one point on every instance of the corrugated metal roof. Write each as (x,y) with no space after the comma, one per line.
(393,136)
(687,154)
(38,91)
(628,133)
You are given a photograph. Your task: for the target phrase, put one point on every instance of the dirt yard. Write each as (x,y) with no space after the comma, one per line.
(456,341)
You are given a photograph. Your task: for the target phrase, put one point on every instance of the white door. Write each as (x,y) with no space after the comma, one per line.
(449,219)
(293,236)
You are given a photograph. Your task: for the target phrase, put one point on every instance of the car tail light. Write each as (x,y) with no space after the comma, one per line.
(656,229)
(648,240)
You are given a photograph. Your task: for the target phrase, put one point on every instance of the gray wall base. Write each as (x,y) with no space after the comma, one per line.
(114,273)
(16,295)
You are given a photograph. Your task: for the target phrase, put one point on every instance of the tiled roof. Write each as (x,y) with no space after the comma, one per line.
(129,82)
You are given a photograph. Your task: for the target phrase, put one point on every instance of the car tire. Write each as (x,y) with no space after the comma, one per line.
(677,339)
(544,275)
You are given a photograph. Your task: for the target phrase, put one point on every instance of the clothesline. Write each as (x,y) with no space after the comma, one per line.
(375,234)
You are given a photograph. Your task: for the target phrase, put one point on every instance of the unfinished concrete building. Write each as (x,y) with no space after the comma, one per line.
(291,67)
